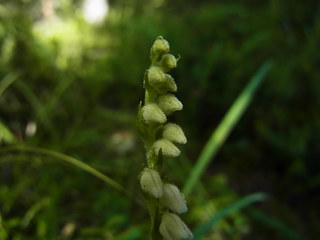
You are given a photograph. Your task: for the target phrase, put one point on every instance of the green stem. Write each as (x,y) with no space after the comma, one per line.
(153,206)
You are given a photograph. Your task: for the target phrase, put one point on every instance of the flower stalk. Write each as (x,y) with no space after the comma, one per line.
(164,200)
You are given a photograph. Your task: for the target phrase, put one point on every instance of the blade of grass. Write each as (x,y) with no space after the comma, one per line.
(76,163)
(36,103)
(219,136)
(6,135)
(32,212)
(7,81)
(3,232)
(270,222)
(242,203)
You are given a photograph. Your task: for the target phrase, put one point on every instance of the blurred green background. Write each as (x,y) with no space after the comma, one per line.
(71,79)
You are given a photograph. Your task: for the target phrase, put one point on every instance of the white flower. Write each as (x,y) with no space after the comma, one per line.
(160,81)
(151,182)
(168,62)
(168,148)
(156,75)
(169,103)
(173,228)
(152,113)
(170,85)
(174,133)
(173,199)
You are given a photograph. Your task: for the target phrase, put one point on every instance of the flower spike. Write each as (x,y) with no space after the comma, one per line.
(159,139)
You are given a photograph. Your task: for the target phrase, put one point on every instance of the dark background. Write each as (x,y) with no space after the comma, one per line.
(79,83)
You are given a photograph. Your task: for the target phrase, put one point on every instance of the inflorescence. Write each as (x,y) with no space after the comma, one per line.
(160,139)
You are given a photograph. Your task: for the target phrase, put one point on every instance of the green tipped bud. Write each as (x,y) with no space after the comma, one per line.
(150,182)
(152,113)
(174,133)
(173,199)
(170,84)
(168,148)
(169,103)
(159,47)
(173,228)
(156,76)
(168,62)
(161,82)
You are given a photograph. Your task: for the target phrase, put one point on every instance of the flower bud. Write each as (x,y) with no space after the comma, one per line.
(150,182)
(173,199)
(159,47)
(173,228)
(174,133)
(168,62)
(170,84)
(169,103)
(168,148)
(161,82)
(156,75)
(152,113)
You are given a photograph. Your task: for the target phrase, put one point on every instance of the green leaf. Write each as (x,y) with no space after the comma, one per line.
(280,227)
(30,214)
(141,128)
(7,81)
(223,213)
(220,135)
(159,161)
(155,161)
(74,162)
(146,83)
(6,135)
(37,104)
(3,232)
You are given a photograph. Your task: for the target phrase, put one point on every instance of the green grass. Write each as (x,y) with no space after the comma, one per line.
(229,121)
(75,162)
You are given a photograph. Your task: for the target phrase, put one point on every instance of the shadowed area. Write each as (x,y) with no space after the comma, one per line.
(71,79)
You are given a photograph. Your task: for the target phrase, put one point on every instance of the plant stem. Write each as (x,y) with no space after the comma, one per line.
(153,206)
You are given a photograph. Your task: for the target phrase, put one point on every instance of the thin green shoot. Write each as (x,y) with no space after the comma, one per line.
(7,81)
(281,228)
(219,136)
(6,135)
(76,163)
(223,213)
